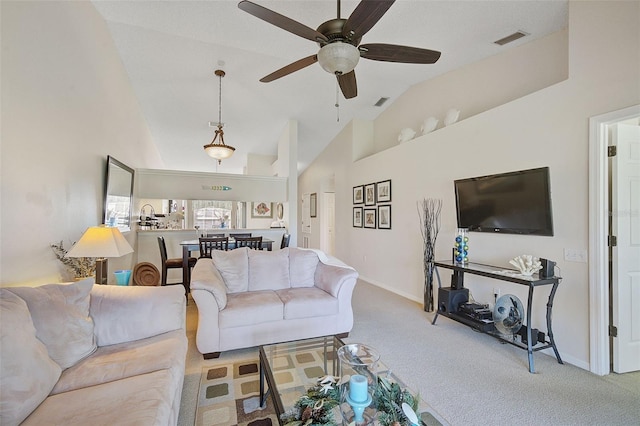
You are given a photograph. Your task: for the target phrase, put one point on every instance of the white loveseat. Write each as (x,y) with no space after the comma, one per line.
(248,297)
(84,354)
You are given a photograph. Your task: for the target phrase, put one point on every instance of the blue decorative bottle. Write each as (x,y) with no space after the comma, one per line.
(461,247)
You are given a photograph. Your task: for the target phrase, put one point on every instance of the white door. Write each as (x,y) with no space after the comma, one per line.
(625,174)
(330,211)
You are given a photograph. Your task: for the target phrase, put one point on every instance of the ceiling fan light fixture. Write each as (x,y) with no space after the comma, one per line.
(338,57)
(217,148)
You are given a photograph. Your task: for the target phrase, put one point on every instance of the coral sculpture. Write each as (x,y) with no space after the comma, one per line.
(526,264)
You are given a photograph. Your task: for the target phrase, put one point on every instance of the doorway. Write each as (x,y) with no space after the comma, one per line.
(600,297)
(327,225)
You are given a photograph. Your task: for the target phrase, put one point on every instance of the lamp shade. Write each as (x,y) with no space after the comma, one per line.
(338,57)
(219,152)
(100,241)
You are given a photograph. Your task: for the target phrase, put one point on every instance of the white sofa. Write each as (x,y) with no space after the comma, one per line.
(84,354)
(248,297)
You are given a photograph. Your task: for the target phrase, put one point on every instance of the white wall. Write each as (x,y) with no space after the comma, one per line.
(66,104)
(548,127)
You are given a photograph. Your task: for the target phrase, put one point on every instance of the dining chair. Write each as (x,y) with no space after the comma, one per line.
(251,242)
(285,240)
(240,234)
(208,244)
(170,263)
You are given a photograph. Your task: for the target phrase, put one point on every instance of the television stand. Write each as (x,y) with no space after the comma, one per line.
(531,340)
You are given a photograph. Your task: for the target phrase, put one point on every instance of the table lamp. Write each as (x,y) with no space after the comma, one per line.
(101,242)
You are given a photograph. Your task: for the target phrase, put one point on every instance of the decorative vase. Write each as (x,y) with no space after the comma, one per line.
(429,269)
(461,247)
(359,363)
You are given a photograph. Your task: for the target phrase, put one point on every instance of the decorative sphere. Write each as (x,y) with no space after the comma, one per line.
(459,258)
(464,253)
(466,247)
(458,239)
(466,239)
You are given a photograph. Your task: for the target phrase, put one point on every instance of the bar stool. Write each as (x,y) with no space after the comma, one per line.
(173,263)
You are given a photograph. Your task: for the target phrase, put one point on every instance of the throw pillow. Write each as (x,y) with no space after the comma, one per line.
(27,373)
(234,268)
(303,265)
(268,270)
(60,313)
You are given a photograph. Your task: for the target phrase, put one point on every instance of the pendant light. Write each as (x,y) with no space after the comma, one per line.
(217,148)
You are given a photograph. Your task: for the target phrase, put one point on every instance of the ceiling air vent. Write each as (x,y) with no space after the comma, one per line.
(512,37)
(381,101)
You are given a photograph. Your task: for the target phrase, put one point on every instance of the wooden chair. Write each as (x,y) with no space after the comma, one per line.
(251,242)
(240,234)
(208,244)
(285,240)
(173,263)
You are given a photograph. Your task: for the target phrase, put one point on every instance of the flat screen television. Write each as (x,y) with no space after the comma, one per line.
(509,203)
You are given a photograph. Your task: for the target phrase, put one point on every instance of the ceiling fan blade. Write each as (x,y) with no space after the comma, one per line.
(281,21)
(364,17)
(292,67)
(347,83)
(395,53)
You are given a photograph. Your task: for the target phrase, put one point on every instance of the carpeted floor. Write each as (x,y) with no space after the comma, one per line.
(468,378)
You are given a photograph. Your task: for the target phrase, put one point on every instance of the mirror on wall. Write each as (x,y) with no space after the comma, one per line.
(118,195)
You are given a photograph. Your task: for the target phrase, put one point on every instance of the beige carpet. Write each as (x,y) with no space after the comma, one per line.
(468,378)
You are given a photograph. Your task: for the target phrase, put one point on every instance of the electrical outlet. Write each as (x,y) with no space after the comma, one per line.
(575,255)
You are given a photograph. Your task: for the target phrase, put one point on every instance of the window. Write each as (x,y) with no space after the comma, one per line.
(210,214)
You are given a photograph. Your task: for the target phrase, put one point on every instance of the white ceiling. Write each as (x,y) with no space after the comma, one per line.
(171,48)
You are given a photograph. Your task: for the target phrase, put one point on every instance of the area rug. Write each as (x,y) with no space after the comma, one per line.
(229,395)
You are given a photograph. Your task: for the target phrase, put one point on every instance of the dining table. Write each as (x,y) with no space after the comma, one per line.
(194,245)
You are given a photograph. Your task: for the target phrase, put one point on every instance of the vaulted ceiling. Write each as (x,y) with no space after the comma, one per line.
(170,50)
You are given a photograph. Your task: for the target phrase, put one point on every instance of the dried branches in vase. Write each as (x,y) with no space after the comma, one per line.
(81,267)
(429,210)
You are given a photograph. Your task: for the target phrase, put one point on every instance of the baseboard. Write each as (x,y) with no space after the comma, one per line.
(391,289)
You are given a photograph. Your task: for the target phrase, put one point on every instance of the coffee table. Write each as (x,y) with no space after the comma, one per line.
(291,368)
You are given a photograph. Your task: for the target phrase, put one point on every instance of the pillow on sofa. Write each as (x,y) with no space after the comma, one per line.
(268,270)
(303,265)
(234,268)
(60,313)
(27,373)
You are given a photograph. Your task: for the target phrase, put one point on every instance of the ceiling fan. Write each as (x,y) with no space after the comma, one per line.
(339,41)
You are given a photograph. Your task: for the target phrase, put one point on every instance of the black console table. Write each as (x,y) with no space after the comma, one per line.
(532,340)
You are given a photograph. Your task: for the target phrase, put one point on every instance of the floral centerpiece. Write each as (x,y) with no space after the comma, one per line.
(81,267)
(318,405)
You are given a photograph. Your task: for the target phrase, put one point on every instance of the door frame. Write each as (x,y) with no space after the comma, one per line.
(599,359)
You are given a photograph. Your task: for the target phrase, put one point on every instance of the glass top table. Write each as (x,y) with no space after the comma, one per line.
(291,368)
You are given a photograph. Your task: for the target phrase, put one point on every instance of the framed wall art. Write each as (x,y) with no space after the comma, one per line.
(370,218)
(384,216)
(358,194)
(383,191)
(313,205)
(357,217)
(261,210)
(370,194)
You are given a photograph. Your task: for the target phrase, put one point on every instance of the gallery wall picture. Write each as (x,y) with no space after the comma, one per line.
(358,194)
(261,209)
(383,191)
(384,216)
(370,218)
(370,194)
(357,217)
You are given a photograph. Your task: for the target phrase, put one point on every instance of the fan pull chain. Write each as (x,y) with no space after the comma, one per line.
(337,105)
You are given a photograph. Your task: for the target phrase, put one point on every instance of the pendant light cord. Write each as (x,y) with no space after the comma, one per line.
(337,105)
